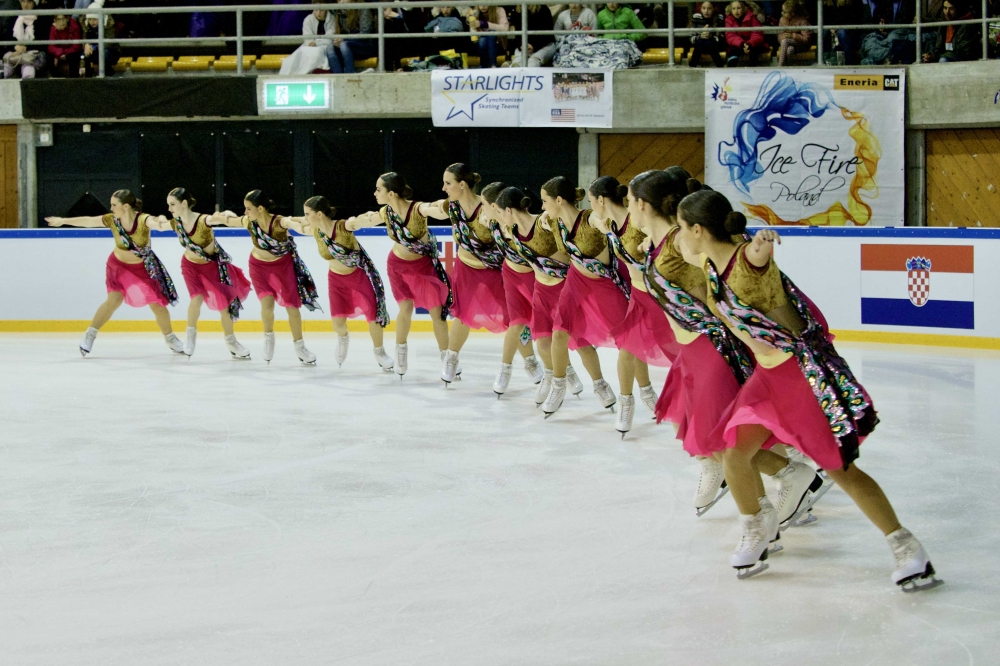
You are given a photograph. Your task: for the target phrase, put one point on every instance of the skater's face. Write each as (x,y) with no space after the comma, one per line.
(176,206)
(452,186)
(692,237)
(550,204)
(120,210)
(313,217)
(600,207)
(255,213)
(381,193)
(637,211)
(485,210)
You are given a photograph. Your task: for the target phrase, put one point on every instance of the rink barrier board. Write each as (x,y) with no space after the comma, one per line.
(824,262)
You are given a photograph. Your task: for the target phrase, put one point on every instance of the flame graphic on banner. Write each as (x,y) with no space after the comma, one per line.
(868,151)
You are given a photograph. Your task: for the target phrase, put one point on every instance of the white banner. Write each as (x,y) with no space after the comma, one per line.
(808,146)
(521,97)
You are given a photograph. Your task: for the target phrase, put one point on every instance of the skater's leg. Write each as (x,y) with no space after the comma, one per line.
(440,328)
(526,350)
(295,323)
(641,370)
(590,361)
(457,336)
(869,497)
(403,320)
(194,311)
(626,372)
(545,351)
(340,326)
(376,331)
(741,476)
(510,341)
(560,353)
(267,313)
(227,323)
(107,308)
(769,462)
(162,318)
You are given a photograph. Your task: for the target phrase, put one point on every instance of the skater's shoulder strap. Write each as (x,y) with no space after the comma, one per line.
(671,265)
(586,238)
(632,239)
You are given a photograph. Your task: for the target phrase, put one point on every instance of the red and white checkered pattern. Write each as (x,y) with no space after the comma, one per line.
(918,285)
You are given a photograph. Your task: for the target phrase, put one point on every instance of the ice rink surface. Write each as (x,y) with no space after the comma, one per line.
(161,510)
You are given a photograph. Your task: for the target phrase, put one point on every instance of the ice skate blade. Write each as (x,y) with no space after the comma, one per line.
(239,358)
(918,585)
(548,414)
(775,548)
(722,493)
(498,394)
(742,573)
(83,352)
(807,519)
(611,407)
(623,433)
(307,362)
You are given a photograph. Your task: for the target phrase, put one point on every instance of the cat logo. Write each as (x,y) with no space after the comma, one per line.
(891,82)
(860,82)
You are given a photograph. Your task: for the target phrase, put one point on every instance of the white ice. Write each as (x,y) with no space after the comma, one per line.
(160,510)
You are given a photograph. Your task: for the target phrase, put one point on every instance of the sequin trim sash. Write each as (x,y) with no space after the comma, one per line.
(303,278)
(424,248)
(154,267)
(594,266)
(360,259)
(221,258)
(489,254)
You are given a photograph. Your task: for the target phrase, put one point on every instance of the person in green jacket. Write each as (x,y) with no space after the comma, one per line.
(618,17)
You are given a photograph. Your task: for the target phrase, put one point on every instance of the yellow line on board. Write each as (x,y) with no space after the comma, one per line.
(930,339)
(213,326)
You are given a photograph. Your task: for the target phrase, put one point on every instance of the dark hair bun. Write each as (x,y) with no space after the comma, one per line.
(736,223)
(407,192)
(669,206)
(693,185)
(526,203)
(622,192)
(476,178)
(580,193)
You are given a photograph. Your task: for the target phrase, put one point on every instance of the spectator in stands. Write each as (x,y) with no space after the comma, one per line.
(749,43)
(354,22)
(65,57)
(707,43)
(888,46)
(793,14)
(7,22)
(286,23)
(619,17)
(318,51)
(954,43)
(842,12)
(541,48)
(577,17)
(91,30)
(487,19)
(24,58)
(444,20)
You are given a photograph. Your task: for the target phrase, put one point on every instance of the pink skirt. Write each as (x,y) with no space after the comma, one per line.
(645,333)
(416,281)
(588,310)
(133,282)
(277,280)
(351,295)
(203,280)
(780,400)
(518,289)
(479,297)
(544,301)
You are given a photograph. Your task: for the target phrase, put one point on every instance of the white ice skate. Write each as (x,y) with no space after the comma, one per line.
(306,356)
(88,341)
(503,380)
(269,346)
(794,497)
(914,571)
(544,388)
(343,342)
(175,344)
(573,382)
(711,486)
(648,396)
(237,350)
(458,368)
(626,411)
(556,396)
(533,368)
(192,339)
(773,531)
(449,367)
(401,354)
(383,359)
(606,395)
(754,545)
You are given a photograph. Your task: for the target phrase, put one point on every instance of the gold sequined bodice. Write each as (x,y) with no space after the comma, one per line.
(413,221)
(275,231)
(589,240)
(139,232)
(632,239)
(341,236)
(540,241)
(671,265)
(202,236)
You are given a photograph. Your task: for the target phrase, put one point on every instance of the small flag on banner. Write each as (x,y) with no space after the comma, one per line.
(563,115)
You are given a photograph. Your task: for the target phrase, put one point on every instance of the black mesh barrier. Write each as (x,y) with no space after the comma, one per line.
(177,157)
(421,156)
(346,164)
(259,159)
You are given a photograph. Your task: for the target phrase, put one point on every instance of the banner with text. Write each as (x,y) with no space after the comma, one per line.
(812,146)
(521,97)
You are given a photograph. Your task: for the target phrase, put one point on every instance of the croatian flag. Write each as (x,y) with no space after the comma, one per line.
(918,285)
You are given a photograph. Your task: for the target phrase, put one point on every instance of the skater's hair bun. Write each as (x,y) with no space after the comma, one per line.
(464,174)
(609,188)
(320,205)
(492,191)
(126,198)
(181,194)
(561,187)
(713,211)
(663,190)
(260,200)
(396,184)
(515,199)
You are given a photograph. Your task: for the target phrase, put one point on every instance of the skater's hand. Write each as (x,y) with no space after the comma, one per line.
(759,252)
(54,221)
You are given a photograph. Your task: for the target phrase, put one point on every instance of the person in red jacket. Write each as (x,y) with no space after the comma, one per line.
(745,42)
(65,58)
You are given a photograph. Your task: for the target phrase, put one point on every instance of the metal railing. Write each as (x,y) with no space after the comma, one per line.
(240,39)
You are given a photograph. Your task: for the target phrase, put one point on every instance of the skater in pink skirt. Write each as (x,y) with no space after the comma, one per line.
(802,390)
(134,274)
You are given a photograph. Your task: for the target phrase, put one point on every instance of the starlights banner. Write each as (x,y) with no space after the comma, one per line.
(521,97)
(808,146)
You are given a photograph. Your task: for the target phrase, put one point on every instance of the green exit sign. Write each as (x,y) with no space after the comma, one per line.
(282,95)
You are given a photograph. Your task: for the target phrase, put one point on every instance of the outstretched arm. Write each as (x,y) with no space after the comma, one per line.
(160,223)
(226,218)
(86,222)
(363,221)
(759,251)
(437,210)
(298,224)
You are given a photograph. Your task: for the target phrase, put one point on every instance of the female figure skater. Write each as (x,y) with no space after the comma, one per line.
(416,275)
(353,281)
(802,390)
(208,271)
(644,336)
(134,274)
(537,245)
(711,363)
(518,286)
(594,299)
(276,270)
(476,278)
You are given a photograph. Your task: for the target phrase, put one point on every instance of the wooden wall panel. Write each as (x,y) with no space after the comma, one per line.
(625,156)
(8,175)
(963,177)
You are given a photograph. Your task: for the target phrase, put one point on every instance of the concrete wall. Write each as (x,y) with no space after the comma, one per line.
(10,100)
